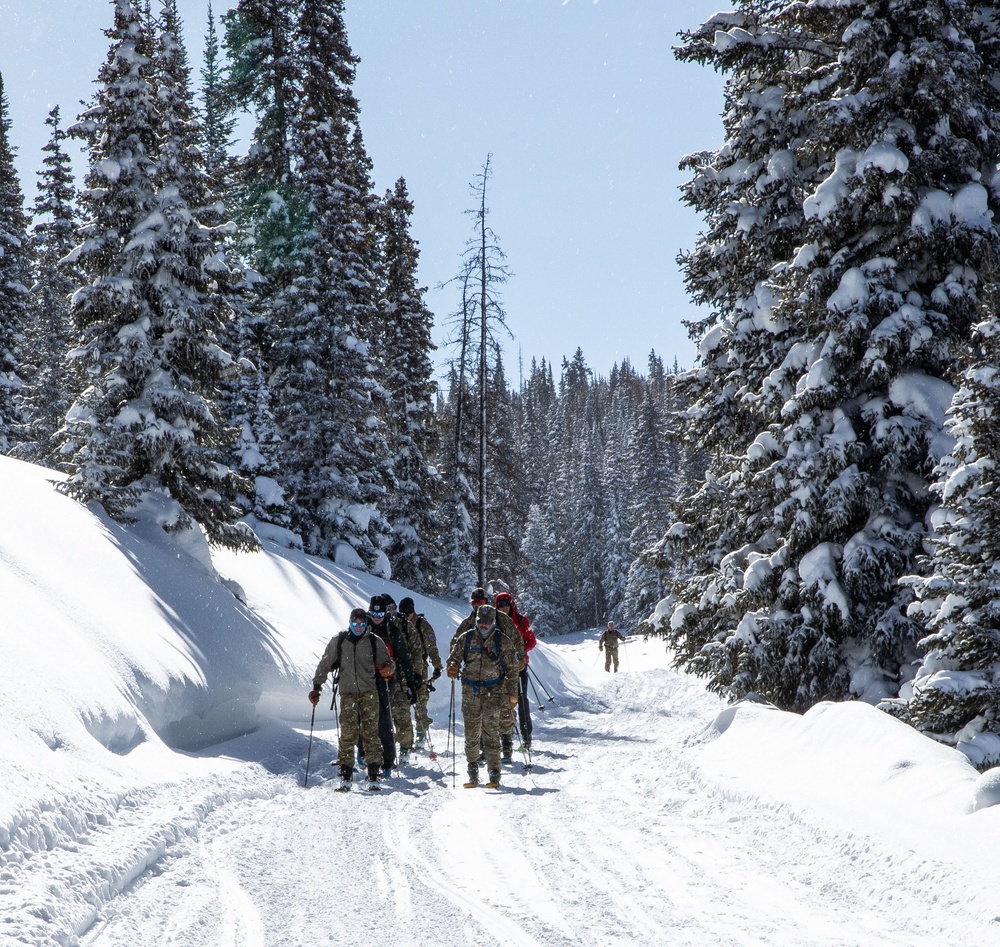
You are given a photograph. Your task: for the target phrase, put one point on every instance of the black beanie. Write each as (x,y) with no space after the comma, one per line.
(406,606)
(377,604)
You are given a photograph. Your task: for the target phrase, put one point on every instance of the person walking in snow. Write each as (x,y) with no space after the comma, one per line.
(405,684)
(360,660)
(488,659)
(478,597)
(423,650)
(609,645)
(387,735)
(505,605)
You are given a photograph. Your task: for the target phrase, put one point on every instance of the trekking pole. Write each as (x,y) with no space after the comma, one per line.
(312,723)
(541,706)
(531,671)
(627,666)
(454,737)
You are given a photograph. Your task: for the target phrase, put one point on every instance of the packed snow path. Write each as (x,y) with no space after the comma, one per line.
(619,836)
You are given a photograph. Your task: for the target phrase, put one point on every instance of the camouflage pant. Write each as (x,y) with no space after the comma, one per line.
(481,715)
(610,654)
(401,717)
(420,707)
(359,720)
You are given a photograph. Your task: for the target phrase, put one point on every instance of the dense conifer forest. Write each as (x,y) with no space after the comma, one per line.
(238,337)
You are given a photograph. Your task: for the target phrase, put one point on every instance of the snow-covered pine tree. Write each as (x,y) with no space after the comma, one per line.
(542,551)
(15,281)
(265,79)
(652,485)
(457,539)
(955,696)
(152,312)
(45,398)
(506,510)
(218,122)
(336,463)
(403,350)
(822,401)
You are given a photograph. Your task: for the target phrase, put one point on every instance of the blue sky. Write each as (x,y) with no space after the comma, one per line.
(580,102)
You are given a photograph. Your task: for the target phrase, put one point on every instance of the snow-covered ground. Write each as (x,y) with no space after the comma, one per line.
(154,743)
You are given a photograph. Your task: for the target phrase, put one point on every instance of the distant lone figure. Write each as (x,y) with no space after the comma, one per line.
(609,645)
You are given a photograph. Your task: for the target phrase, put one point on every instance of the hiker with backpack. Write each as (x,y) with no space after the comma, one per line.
(505,606)
(478,597)
(386,688)
(423,651)
(360,659)
(405,684)
(487,658)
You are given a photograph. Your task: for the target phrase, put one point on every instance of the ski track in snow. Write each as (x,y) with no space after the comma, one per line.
(249,858)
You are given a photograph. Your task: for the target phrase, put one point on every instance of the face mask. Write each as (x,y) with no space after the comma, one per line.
(358,628)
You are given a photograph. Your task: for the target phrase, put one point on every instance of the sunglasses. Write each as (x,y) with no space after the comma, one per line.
(377,614)
(392,608)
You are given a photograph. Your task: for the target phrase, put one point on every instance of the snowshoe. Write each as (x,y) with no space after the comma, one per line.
(404,756)
(346,772)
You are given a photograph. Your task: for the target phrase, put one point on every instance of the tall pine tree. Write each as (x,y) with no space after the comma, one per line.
(15,281)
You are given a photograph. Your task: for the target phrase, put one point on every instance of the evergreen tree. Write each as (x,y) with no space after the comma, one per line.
(218,121)
(337,466)
(151,315)
(265,78)
(15,280)
(956,694)
(45,399)
(818,398)
(404,348)
(506,511)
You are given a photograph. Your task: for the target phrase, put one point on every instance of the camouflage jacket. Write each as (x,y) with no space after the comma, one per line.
(357,659)
(423,645)
(495,660)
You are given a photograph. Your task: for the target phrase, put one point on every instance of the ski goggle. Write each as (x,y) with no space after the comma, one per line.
(391,609)
(377,614)
(358,624)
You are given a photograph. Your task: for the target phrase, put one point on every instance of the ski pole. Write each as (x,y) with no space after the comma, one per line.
(531,671)
(454,733)
(312,723)
(541,707)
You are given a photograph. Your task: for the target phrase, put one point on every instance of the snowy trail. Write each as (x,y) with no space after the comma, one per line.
(617,837)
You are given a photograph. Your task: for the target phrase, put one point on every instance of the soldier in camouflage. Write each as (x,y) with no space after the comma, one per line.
(358,658)
(406,681)
(609,645)
(488,659)
(423,651)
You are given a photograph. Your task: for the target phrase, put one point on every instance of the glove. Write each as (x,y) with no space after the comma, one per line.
(314,697)
(385,671)
(436,674)
(453,671)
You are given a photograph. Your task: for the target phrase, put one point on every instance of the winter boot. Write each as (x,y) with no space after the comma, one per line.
(506,749)
(346,773)
(494,782)
(473,776)
(404,756)
(421,740)
(373,775)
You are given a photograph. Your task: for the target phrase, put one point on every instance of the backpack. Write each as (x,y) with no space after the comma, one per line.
(495,652)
